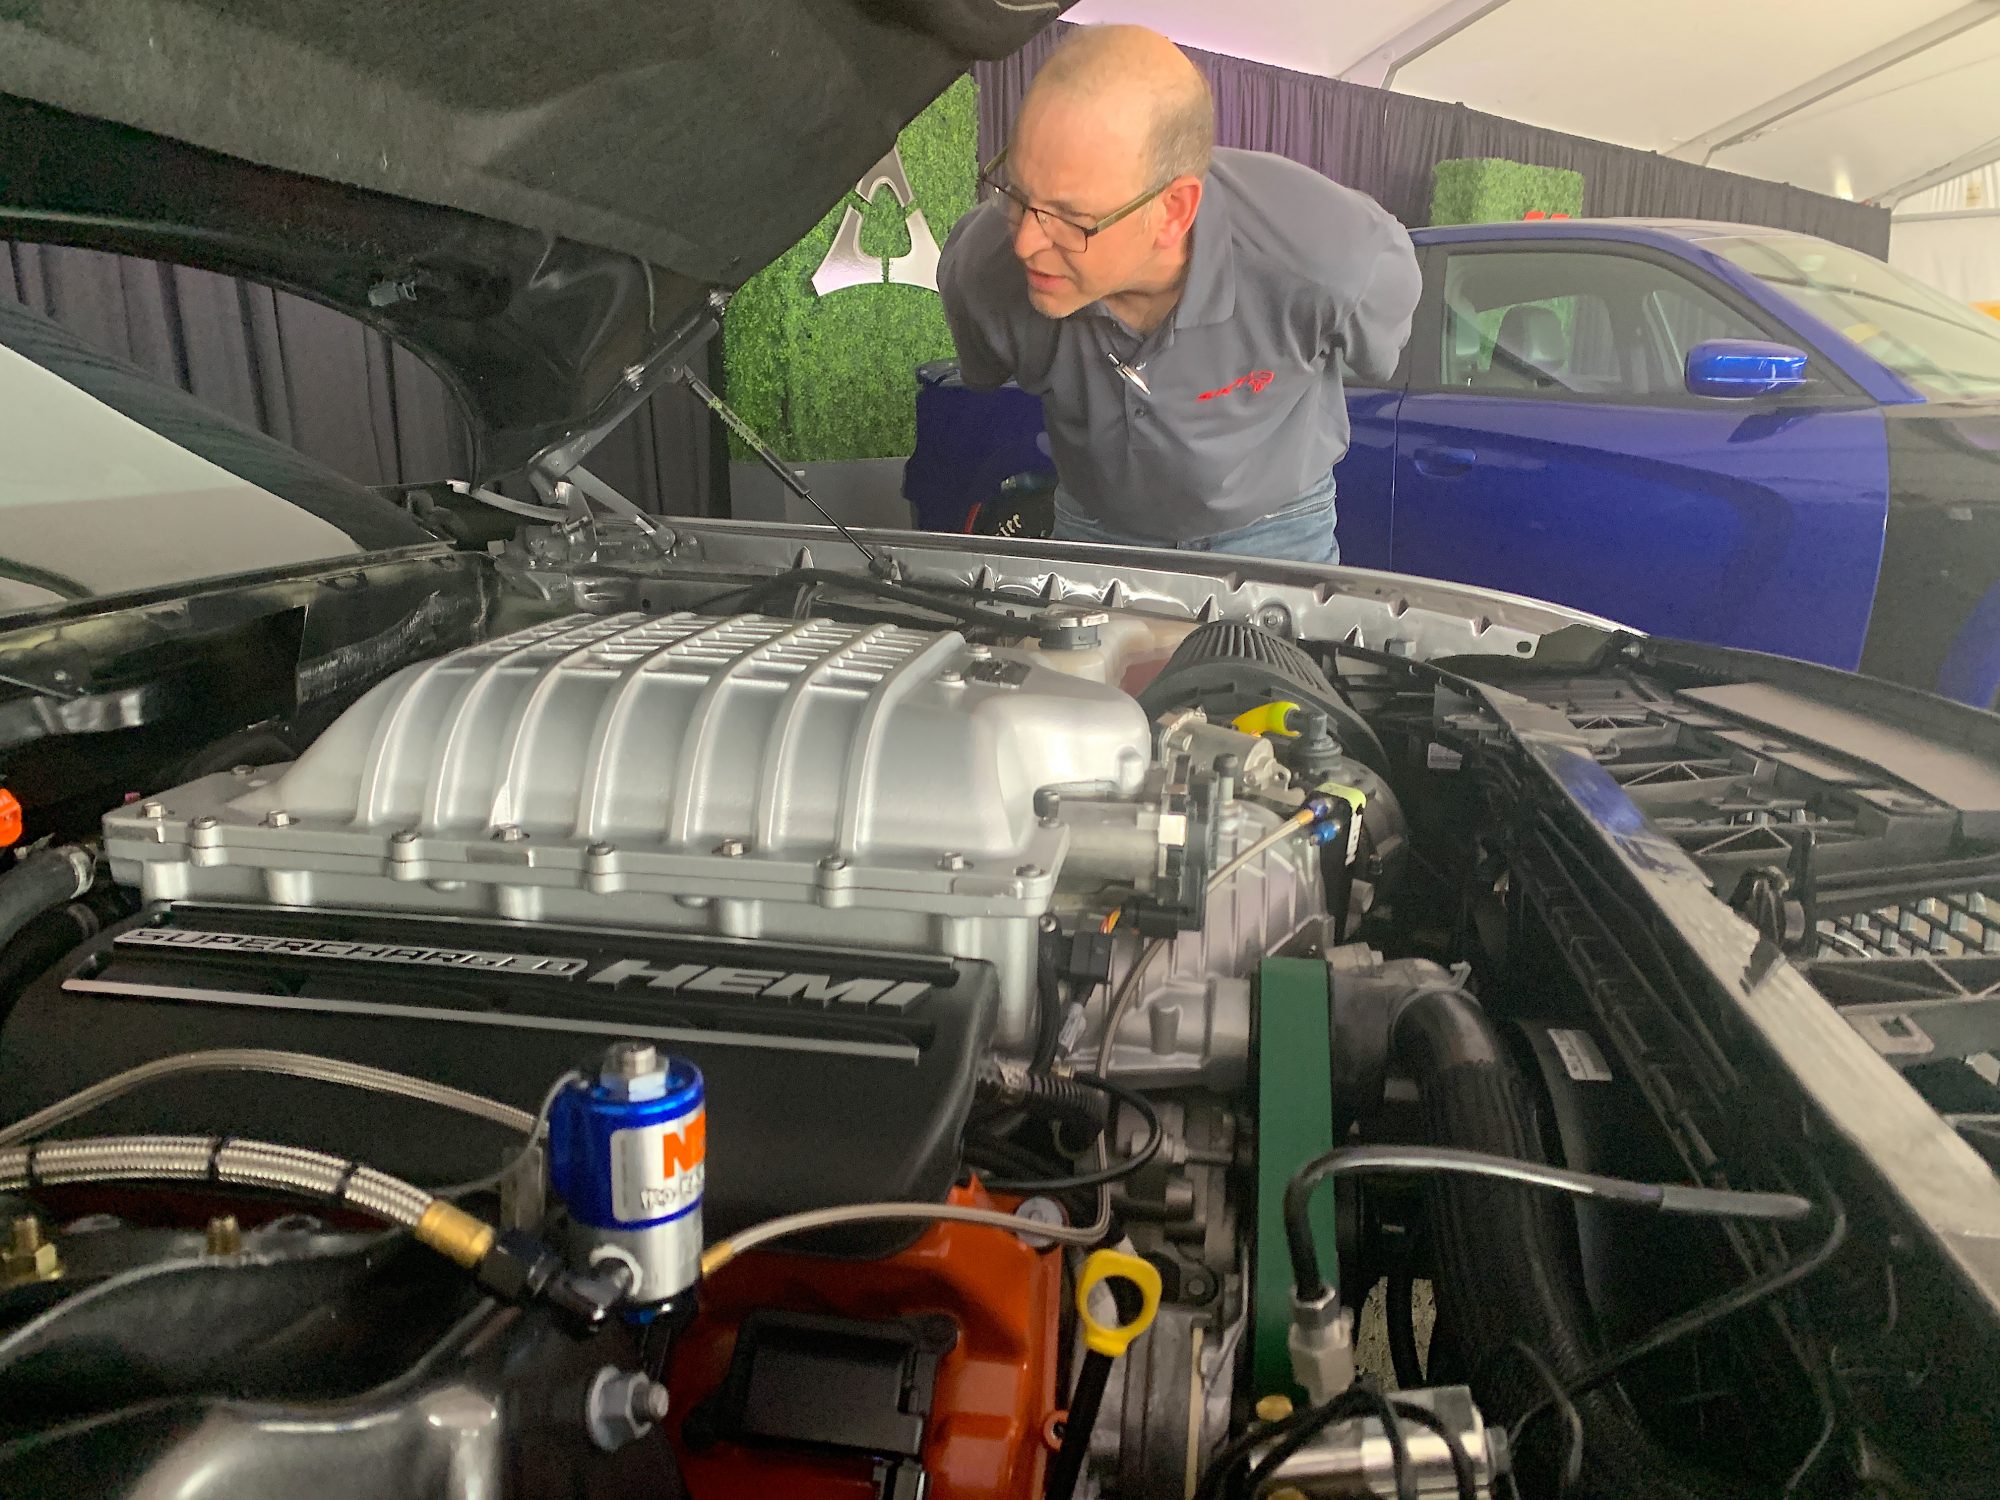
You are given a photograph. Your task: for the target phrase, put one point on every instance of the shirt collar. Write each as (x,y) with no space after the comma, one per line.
(1210,294)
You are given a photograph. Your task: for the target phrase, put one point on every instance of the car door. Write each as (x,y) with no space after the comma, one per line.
(1364,479)
(1548,446)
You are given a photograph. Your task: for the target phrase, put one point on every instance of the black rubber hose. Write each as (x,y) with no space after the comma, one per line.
(1137,1103)
(1048,1096)
(44,880)
(1308,1285)
(1066,1100)
(1048,1005)
(1400,1309)
(1505,1257)
(1363,1398)
(38,946)
(1464,1476)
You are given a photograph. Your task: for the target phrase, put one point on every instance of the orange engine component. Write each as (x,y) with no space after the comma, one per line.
(995,1390)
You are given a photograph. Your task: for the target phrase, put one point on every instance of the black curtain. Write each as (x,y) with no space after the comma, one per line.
(1386,144)
(319,380)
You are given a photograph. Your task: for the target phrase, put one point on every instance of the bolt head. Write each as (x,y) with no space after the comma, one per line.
(224,1236)
(1029,872)
(154,810)
(509,833)
(205,821)
(731,848)
(278,818)
(403,836)
(951,677)
(25,1256)
(953,862)
(979,653)
(1039,1211)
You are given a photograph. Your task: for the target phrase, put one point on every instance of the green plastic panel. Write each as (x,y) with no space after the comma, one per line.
(1294,1124)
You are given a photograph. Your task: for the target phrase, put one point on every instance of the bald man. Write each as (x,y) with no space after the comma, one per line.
(1186,314)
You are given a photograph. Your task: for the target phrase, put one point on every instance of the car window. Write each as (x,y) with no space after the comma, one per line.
(115,483)
(1943,348)
(1685,314)
(1542,322)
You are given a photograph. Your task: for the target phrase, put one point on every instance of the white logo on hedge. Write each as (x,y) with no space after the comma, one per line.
(847,265)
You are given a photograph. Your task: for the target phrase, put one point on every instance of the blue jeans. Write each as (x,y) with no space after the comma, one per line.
(1299,532)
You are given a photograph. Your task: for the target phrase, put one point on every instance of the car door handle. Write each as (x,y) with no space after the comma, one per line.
(1444,463)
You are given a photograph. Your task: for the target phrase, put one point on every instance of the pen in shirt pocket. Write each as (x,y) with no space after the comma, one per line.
(1131,373)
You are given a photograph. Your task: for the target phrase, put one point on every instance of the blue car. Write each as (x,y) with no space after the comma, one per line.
(1743,436)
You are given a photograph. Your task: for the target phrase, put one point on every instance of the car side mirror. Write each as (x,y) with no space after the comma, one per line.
(1744,367)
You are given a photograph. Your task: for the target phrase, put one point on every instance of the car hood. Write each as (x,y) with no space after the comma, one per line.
(544,202)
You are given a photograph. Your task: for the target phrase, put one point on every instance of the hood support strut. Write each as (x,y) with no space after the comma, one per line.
(880,566)
(639,384)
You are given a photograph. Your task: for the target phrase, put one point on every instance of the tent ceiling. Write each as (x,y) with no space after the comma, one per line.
(1860,98)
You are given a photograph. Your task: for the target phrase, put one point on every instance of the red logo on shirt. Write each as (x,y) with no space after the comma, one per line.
(1256,380)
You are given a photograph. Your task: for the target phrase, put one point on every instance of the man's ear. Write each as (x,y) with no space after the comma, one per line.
(1178,206)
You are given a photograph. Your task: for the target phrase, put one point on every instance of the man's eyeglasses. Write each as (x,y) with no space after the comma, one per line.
(1064,234)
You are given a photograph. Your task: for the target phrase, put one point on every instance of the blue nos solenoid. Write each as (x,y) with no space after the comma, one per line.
(626,1157)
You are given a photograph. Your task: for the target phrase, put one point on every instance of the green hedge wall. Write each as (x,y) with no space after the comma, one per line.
(831,378)
(1489,190)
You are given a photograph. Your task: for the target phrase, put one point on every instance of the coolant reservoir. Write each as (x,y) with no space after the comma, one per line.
(1125,651)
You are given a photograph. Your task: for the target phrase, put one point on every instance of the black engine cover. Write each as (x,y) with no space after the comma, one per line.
(833,1076)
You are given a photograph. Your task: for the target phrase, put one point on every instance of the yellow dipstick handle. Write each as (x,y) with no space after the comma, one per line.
(1114,1339)
(1268,718)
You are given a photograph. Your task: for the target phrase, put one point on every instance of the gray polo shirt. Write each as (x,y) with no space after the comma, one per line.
(1291,278)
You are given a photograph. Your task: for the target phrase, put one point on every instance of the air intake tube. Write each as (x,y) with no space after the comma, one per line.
(1505,1257)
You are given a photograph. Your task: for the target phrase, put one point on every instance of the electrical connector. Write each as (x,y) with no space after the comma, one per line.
(520,1268)
(1075,1019)
(1336,807)
(1089,957)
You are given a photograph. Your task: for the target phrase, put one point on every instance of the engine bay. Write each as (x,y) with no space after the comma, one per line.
(799,1034)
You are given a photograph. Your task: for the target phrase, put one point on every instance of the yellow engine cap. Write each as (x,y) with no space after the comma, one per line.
(1268,718)
(1114,1339)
